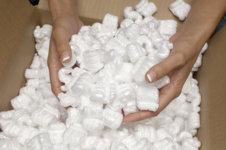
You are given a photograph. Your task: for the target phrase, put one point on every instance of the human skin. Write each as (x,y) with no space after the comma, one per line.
(65,23)
(188,42)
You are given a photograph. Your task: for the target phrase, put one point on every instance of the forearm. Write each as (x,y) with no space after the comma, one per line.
(202,20)
(62,8)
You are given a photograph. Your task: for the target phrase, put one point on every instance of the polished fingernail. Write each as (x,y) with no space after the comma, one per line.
(151,76)
(65,57)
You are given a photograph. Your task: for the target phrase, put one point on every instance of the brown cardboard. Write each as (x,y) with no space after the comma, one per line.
(96,9)
(18,19)
(16,48)
(212,83)
(14,16)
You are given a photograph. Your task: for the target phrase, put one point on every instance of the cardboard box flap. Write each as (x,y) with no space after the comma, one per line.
(96,9)
(14,18)
(212,83)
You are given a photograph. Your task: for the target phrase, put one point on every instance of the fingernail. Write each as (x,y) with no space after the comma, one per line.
(151,76)
(65,57)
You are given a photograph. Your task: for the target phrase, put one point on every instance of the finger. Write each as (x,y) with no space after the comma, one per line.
(174,61)
(54,66)
(166,95)
(137,116)
(173,90)
(61,38)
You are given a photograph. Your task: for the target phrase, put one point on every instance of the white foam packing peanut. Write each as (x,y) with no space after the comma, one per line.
(147,97)
(109,80)
(146,8)
(168,27)
(180,9)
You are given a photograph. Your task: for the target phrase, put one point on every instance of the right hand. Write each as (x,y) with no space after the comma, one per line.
(177,65)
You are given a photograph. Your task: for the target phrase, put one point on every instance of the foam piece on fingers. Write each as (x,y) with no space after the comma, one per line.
(147,98)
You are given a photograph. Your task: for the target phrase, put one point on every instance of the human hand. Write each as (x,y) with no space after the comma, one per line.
(178,66)
(59,51)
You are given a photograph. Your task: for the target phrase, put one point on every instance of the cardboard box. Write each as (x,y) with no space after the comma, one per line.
(19,18)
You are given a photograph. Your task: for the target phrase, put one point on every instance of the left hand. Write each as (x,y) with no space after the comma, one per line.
(66,22)
(177,65)
(63,28)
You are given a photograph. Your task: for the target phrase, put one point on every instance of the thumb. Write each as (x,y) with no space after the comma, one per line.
(61,39)
(173,61)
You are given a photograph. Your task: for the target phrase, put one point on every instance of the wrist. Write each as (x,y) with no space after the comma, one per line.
(62,9)
(195,38)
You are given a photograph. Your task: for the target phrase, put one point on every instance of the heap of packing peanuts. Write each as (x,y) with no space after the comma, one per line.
(105,76)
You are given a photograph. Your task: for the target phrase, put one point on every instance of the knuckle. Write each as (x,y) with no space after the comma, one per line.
(160,71)
(58,31)
(63,47)
(180,58)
